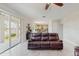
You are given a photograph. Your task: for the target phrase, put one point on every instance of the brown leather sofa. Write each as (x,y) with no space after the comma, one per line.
(45,41)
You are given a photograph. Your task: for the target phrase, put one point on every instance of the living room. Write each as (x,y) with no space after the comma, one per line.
(61,21)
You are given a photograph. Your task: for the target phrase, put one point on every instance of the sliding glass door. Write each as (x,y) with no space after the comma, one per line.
(15,31)
(9,31)
(4,32)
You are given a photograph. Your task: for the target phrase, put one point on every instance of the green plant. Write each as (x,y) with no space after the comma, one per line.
(6,37)
(13,34)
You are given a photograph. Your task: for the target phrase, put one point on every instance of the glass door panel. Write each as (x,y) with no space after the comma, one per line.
(9,31)
(4,32)
(15,31)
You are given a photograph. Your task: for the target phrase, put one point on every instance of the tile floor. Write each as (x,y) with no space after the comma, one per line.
(21,50)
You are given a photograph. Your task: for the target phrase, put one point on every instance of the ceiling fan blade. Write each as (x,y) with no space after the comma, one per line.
(59,4)
(47,6)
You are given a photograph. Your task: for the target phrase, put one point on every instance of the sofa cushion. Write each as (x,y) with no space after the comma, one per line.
(56,45)
(34,44)
(53,34)
(45,38)
(45,44)
(36,38)
(45,34)
(36,35)
(52,38)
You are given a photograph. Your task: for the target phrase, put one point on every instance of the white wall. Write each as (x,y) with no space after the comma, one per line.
(60,31)
(71,27)
(50,26)
(24,22)
(57,27)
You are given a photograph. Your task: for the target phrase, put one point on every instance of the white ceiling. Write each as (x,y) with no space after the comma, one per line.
(37,10)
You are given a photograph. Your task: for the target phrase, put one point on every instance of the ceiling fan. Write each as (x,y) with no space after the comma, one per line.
(48,4)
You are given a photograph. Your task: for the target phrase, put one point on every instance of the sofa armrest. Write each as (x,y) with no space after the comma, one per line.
(30,40)
(60,40)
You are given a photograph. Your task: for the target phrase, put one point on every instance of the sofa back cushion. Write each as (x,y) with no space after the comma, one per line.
(36,36)
(53,34)
(45,36)
(53,37)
